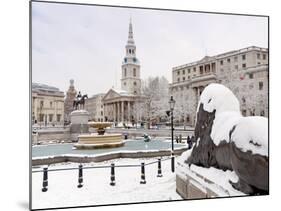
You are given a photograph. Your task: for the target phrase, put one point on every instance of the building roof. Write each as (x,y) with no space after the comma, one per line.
(122,92)
(46,89)
(221,56)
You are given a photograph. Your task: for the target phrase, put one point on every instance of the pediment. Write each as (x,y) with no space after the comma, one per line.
(111,94)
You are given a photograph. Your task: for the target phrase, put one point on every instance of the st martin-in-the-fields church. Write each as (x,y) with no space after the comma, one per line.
(126,105)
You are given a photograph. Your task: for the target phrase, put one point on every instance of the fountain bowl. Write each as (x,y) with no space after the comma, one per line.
(100,126)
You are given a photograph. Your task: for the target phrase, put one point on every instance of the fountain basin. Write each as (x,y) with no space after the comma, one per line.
(94,141)
(99,139)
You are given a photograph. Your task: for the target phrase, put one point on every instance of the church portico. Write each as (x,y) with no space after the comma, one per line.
(119,108)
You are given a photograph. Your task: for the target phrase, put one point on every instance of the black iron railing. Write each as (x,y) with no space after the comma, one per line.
(80,169)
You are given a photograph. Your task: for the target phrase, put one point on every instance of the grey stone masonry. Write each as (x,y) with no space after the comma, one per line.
(195,185)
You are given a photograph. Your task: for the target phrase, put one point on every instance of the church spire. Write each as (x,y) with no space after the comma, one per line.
(130,35)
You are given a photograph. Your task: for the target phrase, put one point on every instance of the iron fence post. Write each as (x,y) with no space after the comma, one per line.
(142,174)
(159,174)
(45,179)
(80,176)
(112,176)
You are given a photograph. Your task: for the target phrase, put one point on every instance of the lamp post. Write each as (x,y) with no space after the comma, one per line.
(172,106)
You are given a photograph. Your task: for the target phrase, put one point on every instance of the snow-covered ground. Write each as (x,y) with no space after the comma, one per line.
(63,191)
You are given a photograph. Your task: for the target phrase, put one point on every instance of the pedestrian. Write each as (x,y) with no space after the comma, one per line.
(177,139)
(189,142)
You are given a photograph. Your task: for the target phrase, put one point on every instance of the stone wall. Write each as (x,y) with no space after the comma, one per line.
(99,158)
(152,133)
(191,184)
(51,136)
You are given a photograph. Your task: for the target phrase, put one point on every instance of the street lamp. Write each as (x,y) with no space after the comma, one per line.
(172,106)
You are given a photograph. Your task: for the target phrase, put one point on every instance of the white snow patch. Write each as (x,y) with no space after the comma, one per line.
(185,155)
(219,97)
(223,123)
(218,179)
(63,191)
(251,133)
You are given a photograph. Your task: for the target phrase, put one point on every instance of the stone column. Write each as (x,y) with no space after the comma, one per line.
(118,112)
(35,109)
(129,110)
(122,111)
(114,111)
(55,112)
(104,111)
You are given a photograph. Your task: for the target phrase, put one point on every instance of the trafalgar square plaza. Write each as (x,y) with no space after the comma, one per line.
(109,129)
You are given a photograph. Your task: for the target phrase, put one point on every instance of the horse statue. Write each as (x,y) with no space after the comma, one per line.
(80,102)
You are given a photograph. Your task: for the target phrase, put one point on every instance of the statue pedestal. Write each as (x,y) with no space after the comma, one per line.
(79,123)
(196,182)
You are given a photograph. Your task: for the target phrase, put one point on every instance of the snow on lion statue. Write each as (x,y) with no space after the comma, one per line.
(227,140)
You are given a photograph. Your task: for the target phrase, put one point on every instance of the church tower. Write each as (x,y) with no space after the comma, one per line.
(130,80)
(68,102)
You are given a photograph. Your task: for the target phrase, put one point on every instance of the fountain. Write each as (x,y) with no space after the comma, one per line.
(99,139)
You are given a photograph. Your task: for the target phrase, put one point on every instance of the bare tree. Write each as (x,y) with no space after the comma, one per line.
(156,90)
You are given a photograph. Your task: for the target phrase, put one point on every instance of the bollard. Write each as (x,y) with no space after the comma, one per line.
(45,179)
(142,174)
(80,176)
(173,162)
(112,176)
(159,168)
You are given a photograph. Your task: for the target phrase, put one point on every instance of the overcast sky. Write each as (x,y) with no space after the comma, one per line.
(87,43)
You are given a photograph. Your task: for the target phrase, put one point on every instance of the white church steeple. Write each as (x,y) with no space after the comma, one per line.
(130,80)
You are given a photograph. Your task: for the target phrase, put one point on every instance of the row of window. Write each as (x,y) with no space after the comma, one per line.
(135,83)
(228,61)
(234,58)
(134,72)
(42,104)
(259,56)
(251,86)
(131,51)
(184,78)
(252,112)
(244,58)
(50,117)
(188,71)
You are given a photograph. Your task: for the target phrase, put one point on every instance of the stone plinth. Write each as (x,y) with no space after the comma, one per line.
(198,183)
(79,121)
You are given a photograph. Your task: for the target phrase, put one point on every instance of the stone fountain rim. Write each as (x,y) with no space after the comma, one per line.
(103,124)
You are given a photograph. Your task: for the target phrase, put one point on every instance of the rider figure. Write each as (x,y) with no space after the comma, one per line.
(79,96)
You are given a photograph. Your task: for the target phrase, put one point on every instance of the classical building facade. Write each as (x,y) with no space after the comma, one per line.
(94,106)
(68,102)
(122,106)
(244,71)
(47,105)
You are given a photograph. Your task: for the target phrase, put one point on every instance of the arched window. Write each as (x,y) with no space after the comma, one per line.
(125,72)
(135,83)
(135,72)
(129,51)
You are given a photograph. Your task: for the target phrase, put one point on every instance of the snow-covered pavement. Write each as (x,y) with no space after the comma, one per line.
(63,191)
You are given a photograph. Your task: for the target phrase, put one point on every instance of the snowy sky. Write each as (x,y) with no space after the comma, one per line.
(87,43)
